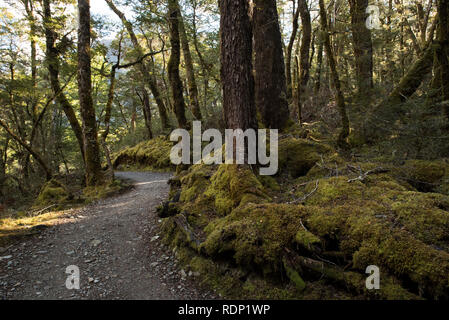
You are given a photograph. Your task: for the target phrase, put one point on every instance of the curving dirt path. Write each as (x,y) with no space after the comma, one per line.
(115,244)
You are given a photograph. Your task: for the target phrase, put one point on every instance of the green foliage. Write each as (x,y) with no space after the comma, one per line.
(52,192)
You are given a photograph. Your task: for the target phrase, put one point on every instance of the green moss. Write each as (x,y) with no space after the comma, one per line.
(269,182)
(195,181)
(52,192)
(381,219)
(298,156)
(316,131)
(152,154)
(234,185)
(306,238)
(407,257)
(425,175)
(294,276)
(255,234)
(103,191)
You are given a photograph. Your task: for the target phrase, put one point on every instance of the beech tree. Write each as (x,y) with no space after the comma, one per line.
(236,65)
(173,64)
(149,78)
(363,47)
(52,61)
(304,63)
(94,174)
(341,105)
(270,81)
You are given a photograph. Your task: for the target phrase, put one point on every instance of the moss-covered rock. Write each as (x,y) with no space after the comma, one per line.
(102,191)
(424,175)
(298,156)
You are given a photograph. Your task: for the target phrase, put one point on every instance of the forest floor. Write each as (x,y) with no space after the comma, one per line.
(114,242)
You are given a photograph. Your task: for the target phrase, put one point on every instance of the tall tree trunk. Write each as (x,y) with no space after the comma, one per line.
(107,118)
(146,107)
(33,33)
(191,81)
(363,47)
(304,64)
(52,62)
(152,83)
(270,81)
(390,108)
(319,65)
(442,52)
(173,64)
(288,68)
(236,65)
(335,78)
(108,110)
(94,175)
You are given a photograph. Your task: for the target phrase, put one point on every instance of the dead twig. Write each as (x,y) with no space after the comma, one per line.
(36,213)
(302,199)
(363,175)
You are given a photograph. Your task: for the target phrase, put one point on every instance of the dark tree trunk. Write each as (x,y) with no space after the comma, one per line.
(33,33)
(304,64)
(107,119)
(146,107)
(288,68)
(173,65)
(236,65)
(94,174)
(191,81)
(108,110)
(390,108)
(363,47)
(52,61)
(270,81)
(335,78)
(319,65)
(149,78)
(442,52)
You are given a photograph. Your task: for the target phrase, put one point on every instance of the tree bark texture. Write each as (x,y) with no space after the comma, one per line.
(236,65)
(173,65)
(94,175)
(270,81)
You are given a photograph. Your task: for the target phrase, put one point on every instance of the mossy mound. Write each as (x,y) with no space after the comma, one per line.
(103,191)
(317,231)
(315,131)
(254,235)
(426,176)
(52,192)
(152,154)
(233,185)
(298,156)
(403,232)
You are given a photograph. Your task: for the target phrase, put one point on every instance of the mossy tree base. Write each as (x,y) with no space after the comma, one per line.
(352,214)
